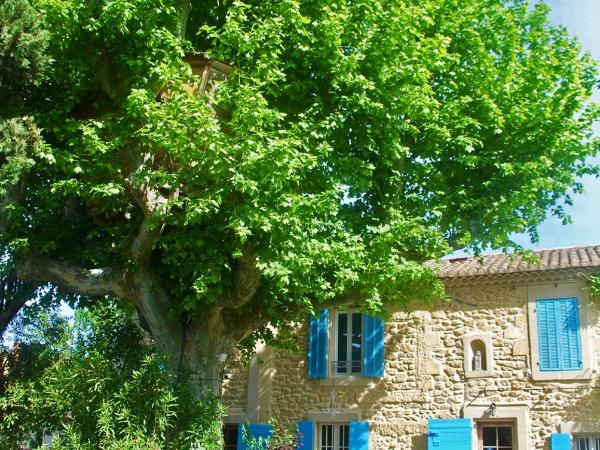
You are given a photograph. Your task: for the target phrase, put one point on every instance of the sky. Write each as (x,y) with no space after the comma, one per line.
(581,18)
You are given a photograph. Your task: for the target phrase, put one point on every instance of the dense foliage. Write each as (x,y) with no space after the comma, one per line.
(94,384)
(23,58)
(353,141)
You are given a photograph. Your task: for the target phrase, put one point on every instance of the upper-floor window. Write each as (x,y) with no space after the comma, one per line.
(558,334)
(348,345)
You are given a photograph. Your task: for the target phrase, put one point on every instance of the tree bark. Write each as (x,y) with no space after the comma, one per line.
(200,367)
(15,294)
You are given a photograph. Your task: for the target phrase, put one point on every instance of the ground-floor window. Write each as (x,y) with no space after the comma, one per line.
(587,442)
(230,436)
(496,436)
(334,436)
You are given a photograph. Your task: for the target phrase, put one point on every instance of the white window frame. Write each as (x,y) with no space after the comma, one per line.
(349,372)
(552,291)
(336,434)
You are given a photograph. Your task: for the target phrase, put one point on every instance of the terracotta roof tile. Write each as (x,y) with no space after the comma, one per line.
(501,263)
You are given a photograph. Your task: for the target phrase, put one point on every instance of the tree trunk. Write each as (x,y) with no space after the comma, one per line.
(196,346)
(207,344)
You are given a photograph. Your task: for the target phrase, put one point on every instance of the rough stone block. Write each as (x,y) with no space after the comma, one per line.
(433,367)
(432,340)
(520,348)
(512,332)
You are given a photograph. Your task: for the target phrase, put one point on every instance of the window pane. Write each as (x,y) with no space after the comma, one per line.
(505,436)
(356,342)
(582,443)
(489,436)
(342,343)
(326,437)
(344,437)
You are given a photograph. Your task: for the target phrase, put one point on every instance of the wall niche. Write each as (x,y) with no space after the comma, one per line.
(478,354)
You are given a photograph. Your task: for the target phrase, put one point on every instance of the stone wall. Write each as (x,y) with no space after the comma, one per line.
(425,377)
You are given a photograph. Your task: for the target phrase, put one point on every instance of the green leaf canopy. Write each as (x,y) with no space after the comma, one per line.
(353,141)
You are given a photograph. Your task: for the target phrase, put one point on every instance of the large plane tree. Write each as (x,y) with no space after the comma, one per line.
(350,142)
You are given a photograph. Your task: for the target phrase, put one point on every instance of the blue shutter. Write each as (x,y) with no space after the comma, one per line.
(305,435)
(240,440)
(560,441)
(318,345)
(570,344)
(558,334)
(548,348)
(359,435)
(373,356)
(256,431)
(450,434)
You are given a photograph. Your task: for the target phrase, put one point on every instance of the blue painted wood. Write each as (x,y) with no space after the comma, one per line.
(559,342)
(570,344)
(359,435)
(318,345)
(373,346)
(305,435)
(450,434)
(240,439)
(258,432)
(560,441)
(548,347)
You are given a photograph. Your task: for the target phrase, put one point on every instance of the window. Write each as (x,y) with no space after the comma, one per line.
(334,436)
(348,345)
(587,442)
(495,436)
(230,436)
(558,334)
(356,347)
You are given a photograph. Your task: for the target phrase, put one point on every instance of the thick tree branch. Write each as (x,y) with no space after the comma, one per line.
(246,280)
(153,303)
(15,294)
(183,8)
(143,244)
(90,282)
(247,323)
(150,201)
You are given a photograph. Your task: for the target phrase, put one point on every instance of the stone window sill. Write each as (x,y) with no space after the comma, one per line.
(342,381)
(568,375)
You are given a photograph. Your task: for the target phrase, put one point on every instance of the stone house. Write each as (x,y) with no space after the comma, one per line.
(509,362)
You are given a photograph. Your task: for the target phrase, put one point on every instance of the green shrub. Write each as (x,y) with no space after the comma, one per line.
(106,389)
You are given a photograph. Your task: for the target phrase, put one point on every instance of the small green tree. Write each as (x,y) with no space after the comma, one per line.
(23,58)
(97,385)
(354,140)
